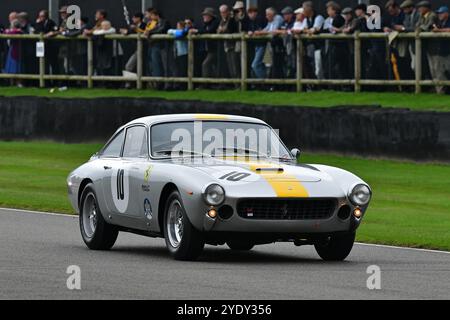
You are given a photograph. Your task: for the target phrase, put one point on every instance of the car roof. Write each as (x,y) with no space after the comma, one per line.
(192,117)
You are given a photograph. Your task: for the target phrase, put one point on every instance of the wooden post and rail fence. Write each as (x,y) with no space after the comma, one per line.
(416,40)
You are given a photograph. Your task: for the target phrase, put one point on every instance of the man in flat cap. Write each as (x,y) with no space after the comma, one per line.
(286,45)
(411,16)
(428,19)
(427,22)
(347,14)
(208,49)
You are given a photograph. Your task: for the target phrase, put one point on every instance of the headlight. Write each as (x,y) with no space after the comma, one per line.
(214,195)
(360,195)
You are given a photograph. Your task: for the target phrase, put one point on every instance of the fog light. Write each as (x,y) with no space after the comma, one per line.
(212,213)
(357,213)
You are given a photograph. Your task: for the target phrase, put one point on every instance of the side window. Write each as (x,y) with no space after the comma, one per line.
(136,143)
(113,149)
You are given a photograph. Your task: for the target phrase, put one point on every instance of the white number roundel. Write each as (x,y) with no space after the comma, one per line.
(120,188)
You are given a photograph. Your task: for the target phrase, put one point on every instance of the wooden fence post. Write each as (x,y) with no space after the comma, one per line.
(90,58)
(418,62)
(139,61)
(299,64)
(357,62)
(42,65)
(244,62)
(191,62)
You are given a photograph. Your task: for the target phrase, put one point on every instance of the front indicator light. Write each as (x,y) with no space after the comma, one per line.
(357,213)
(212,213)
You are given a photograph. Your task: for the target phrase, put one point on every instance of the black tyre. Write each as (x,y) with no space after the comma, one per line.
(336,248)
(95,231)
(183,241)
(239,245)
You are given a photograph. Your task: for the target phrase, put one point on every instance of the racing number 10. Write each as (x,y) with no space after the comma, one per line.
(235,176)
(120,188)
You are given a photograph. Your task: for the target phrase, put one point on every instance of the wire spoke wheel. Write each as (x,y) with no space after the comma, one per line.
(90,217)
(175,224)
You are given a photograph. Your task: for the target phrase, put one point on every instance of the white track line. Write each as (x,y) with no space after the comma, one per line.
(359,243)
(39,212)
(403,248)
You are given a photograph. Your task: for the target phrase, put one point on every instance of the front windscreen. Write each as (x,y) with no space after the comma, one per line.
(216,138)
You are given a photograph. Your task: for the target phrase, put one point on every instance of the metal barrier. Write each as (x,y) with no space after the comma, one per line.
(357,82)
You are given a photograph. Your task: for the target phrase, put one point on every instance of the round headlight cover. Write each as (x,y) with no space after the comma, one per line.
(360,195)
(214,195)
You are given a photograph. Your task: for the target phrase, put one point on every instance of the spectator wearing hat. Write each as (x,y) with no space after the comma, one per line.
(284,47)
(396,17)
(240,15)
(347,14)
(405,48)
(427,22)
(360,21)
(411,16)
(444,21)
(428,19)
(228,25)
(335,51)
(299,18)
(209,48)
(399,57)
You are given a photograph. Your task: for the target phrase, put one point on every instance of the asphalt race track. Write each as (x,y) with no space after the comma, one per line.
(36,249)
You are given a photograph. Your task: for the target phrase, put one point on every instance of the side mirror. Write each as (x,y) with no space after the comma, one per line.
(296,153)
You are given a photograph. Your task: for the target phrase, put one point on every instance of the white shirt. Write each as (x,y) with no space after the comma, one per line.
(318,23)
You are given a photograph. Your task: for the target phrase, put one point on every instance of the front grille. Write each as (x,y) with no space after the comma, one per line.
(286,209)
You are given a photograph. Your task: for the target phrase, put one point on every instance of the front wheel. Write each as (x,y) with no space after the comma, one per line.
(336,248)
(182,239)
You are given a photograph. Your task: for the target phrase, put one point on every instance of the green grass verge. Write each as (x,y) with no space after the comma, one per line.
(411,204)
(425,101)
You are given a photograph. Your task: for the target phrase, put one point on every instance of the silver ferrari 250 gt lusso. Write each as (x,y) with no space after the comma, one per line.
(196,179)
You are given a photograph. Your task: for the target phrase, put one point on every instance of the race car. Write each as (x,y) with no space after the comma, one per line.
(196,179)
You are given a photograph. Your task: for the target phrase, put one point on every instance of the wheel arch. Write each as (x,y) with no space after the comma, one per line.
(165,193)
(83,185)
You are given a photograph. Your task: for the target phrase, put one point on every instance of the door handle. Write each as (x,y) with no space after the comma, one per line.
(107,168)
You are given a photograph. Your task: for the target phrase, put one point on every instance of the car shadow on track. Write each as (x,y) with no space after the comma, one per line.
(225,255)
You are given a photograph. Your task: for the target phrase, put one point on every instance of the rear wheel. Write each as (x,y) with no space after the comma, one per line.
(97,234)
(183,241)
(238,245)
(336,248)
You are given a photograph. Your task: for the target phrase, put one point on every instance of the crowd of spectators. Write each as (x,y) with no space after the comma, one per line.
(275,58)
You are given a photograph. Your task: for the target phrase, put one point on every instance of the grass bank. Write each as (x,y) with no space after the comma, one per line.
(323,99)
(411,204)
